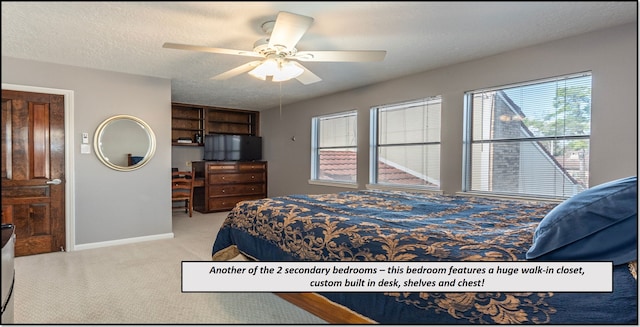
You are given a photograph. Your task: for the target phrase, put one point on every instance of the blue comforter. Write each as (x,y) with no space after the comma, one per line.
(401,226)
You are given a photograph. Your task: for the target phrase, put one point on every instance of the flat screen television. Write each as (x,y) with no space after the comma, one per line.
(225,147)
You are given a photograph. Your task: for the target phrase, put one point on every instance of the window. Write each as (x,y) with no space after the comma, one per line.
(334,148)
(529,139)
(405,144)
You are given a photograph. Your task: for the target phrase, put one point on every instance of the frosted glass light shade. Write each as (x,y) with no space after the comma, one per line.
(288,70)
(278,70)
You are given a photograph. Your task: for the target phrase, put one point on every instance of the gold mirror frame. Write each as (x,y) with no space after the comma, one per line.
(120,136)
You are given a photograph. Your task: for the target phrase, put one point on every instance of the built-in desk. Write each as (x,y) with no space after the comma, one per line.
(225,183)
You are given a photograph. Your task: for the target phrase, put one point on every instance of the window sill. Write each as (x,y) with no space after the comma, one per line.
(509,197)
(402,188)
(333,183)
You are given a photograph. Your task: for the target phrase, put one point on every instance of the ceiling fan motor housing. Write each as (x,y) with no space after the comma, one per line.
(262,47)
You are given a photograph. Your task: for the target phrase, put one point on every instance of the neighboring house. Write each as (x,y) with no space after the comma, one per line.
(340,165)
(529,158)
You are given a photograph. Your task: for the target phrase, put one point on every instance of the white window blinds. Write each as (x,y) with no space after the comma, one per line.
(405,144)
(529,139)
(334,147)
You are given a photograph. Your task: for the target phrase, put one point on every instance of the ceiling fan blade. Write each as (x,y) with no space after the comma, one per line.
(237,71)
(211,50)
(341,56)
(307,77)
(289,29)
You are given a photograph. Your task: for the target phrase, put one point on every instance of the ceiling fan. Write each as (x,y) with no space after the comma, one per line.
(279,57)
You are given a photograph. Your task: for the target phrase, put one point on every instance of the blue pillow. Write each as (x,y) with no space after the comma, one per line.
(598,224)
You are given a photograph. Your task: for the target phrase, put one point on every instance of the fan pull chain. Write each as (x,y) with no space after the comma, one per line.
(280,100)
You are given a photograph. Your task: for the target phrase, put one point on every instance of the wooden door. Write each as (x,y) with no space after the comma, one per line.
(33,180)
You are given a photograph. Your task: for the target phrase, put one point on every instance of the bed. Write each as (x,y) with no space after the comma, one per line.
(370,225)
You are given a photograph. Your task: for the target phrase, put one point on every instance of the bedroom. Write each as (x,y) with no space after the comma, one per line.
(611,54)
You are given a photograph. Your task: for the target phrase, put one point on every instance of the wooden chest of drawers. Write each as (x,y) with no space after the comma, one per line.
(227,183)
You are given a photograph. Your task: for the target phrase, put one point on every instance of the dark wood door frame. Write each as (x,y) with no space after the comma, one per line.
(70,237)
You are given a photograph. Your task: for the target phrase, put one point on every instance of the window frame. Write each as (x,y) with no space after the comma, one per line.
(374,144)
(315,150)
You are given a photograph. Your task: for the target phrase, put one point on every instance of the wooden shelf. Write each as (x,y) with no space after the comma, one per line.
(185,144)
(188,120)
(225,121)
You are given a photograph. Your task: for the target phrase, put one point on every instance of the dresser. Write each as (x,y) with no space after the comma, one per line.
(225,183)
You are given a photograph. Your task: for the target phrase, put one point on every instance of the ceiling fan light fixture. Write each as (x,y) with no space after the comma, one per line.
(266,68)
(279,70)
(287,71)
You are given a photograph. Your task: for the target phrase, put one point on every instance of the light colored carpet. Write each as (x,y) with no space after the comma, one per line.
(139,284)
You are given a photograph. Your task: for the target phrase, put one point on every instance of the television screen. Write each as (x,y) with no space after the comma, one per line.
(214,147)
(232,147)
(250,148)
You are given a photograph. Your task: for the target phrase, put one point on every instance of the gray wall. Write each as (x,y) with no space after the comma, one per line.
(181,156)
(110,205)
(610,54)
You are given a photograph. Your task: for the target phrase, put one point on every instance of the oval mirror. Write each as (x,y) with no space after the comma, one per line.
(124,142)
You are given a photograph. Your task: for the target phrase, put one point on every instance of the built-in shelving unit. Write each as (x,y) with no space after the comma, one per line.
(187,122)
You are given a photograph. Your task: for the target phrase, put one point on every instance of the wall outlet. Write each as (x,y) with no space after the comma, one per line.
(188,163)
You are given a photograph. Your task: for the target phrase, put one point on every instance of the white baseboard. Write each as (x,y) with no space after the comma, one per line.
(96,245)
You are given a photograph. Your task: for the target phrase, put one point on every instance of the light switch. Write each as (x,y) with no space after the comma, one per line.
(85,138)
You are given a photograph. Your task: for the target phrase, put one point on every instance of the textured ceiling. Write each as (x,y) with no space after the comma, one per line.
(418,36)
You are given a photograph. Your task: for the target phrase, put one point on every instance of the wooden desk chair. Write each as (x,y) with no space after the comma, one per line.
(182,190)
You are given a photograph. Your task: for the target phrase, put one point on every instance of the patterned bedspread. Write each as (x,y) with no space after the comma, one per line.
(400,226)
